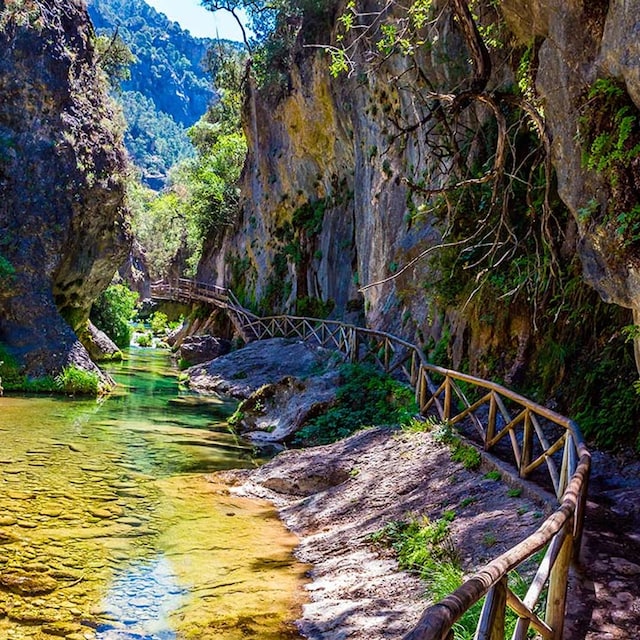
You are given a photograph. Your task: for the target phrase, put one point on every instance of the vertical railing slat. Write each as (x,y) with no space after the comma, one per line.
(491,623)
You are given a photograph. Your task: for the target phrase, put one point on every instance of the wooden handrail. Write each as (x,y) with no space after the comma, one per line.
(537,437)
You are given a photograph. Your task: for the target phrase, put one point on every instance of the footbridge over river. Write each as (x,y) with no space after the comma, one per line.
(540,444)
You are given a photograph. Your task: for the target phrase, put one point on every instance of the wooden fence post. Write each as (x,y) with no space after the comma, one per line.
(353,345)
(557,593)
(447,398)
(527,444)
(491,623)
(490,431)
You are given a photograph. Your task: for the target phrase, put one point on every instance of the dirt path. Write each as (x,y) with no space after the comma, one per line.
(333,497)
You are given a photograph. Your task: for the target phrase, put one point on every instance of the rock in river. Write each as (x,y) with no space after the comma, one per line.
(27,584)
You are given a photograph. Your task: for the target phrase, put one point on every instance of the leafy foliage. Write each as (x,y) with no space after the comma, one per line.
(424,547)
(75,381)
(277,26)
(366,397)
(468,456)
(202,196)
(159,323)
(154,139)
(610,132)
(113,311)
(159,224)
(115,58)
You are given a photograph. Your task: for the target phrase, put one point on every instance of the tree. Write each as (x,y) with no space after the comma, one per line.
(113,311)
(115,58)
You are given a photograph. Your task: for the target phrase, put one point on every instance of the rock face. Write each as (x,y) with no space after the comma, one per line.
(275,412)
(327,207)
(580,43)
(62,215)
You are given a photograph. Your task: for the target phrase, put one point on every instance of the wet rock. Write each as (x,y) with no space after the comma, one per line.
(20,495)
(31,616)
(100,513)
(198,349)
(61,629)
(27,584)
(132,522)
(7,538)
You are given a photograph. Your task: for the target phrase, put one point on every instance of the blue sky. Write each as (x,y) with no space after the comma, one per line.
(200,22)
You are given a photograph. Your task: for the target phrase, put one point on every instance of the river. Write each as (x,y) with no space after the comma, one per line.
(109,529)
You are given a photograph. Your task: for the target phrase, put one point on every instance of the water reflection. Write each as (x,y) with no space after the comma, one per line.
(109,530)
(142,599)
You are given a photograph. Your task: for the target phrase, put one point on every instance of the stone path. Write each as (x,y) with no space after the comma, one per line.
(604,595)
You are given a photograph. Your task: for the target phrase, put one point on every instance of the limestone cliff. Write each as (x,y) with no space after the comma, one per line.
(63,229)
(336,168)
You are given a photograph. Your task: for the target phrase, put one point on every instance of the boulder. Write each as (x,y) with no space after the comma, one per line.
(198,349)
(99,345)
(242,372)
(276,411)
(27,584)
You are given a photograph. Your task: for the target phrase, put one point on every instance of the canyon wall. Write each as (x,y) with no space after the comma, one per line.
(330,203)
(63,229)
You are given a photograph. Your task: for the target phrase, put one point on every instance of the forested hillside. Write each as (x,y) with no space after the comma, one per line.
(169,87)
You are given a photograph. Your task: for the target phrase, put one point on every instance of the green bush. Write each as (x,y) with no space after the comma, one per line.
(113,311)
(366,397)
(425,549)
(73,380)
(144,340)
(159,323)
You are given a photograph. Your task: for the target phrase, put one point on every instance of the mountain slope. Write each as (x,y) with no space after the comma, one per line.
(169,88)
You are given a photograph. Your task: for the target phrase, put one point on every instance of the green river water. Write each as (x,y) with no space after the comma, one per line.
(110,530)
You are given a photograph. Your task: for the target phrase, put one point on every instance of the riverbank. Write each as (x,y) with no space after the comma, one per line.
(334,497)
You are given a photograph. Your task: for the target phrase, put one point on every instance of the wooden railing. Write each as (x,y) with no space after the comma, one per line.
(542,445)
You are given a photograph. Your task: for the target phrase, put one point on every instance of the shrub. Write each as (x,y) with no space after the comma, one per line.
(113,311)
(159,323)
(425,549)
(366,397)
(144,340)
(73,380)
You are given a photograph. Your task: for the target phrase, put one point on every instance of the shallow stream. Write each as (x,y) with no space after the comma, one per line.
(109,529)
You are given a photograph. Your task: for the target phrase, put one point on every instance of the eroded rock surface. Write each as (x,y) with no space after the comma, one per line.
(333,497)
(62,175)
(242,372)
(276,411)
(197,349)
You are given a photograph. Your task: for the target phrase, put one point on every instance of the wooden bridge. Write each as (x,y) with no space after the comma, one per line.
(541,444)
